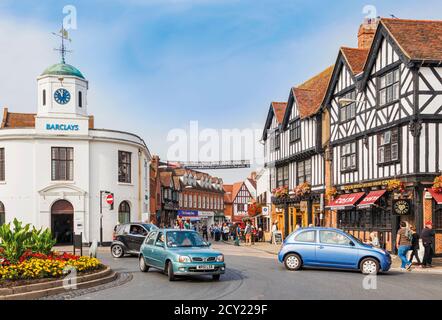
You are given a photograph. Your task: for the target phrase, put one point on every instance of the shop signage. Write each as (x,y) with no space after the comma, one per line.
(277,237)
(303,206)
(265,211)
(366,185)
(62,127)
(188,213)
(401,207)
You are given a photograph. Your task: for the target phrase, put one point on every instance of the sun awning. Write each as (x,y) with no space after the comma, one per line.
(345,201)
(435,195)
(371,199)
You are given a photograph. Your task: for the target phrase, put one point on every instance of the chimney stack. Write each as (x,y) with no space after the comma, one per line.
(366,33)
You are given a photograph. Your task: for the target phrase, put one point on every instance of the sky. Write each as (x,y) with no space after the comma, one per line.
(157,66)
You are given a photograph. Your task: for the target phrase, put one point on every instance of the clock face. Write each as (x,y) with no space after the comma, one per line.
(62,96)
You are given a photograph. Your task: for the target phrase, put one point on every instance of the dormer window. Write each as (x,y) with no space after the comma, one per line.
(295,130)
(389,87)
(348,111)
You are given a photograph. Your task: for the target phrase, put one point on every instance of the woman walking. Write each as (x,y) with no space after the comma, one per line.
(415,247)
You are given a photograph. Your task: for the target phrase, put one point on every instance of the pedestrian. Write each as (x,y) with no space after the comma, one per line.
(211,231)
(187,224)
(403,244)
(415,246)
(260,234)
(226,232)
(427,236)
(274,230)
(237,234)
(374,240)
(248,234)
(204,230)
(217,232)
(177,225)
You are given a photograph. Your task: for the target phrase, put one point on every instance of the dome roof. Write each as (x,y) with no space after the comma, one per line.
(63,69)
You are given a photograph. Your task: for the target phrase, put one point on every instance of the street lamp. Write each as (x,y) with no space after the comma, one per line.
(345,101)
(101,215)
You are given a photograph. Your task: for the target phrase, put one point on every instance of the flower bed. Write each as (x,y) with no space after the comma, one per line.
(40,266)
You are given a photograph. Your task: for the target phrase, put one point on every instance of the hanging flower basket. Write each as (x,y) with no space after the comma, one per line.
(331,193)
(281,192)
(302,189)
(437,184)
(396,186)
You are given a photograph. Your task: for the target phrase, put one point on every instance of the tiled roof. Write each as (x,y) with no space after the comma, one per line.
(165,178)
(228,189)
(279,110)
(25,120)
(18,120)
(252,182)
(418,39)
(235,190)
(310,94)
(355,58)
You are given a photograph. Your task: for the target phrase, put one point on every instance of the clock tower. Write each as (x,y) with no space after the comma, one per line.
(62,97)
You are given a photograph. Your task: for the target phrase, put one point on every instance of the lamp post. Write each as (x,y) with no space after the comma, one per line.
(101,215)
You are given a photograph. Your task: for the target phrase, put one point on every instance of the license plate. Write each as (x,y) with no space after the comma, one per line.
(205,267)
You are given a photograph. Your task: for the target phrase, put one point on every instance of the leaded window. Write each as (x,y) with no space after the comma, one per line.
(124,166)
(348,157)
(388,146)
(389,87)
(62,164)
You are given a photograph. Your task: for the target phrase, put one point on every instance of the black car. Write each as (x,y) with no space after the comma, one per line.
(128,237)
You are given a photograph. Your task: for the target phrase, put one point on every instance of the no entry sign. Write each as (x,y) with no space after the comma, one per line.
(110,198)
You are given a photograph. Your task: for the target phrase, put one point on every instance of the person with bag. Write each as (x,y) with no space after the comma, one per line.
(415,246)
(237,234)
(403,244)
(248,234)
(427,236)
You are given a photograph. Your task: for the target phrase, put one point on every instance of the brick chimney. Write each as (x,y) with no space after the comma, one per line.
(366,33)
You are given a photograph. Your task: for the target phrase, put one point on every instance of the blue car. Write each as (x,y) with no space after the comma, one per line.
(180,253)
(331,248)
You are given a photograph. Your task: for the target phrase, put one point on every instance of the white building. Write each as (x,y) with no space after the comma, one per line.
(54,164)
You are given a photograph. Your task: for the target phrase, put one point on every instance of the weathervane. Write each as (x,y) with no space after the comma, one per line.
(63,34)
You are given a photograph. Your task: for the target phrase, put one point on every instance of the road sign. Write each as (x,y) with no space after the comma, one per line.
(110,198)
(265,211)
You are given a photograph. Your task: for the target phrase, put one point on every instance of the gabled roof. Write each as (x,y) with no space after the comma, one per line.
(418,39)
(309,95)
(355,58)
(236,188)
(277,109)
(252,182)
(165,178)
(228,189)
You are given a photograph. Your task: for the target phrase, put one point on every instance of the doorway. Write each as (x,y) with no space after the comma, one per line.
(62,222)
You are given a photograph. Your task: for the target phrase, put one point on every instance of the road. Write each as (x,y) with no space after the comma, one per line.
(254,274)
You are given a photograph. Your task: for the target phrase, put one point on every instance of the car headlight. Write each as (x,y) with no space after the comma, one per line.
(184,259)
(220,258)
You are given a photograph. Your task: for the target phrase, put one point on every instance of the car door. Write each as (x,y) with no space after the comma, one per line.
(335,249)
(158,251)
(138,237)
(148,248)
(124,236)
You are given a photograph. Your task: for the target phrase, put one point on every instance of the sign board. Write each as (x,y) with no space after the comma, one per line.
(402,207)
(277,237)
(303,206)
(188,213)
(110,198)
(265,211)
(428,195)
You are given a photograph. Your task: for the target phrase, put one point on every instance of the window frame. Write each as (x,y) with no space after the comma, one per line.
(304,175)
(349,106)
(277,140)
(56,161)
(128,164)
(295,238)
(295,131)
(347,156)
(384,87)
(393,133)
(282,181)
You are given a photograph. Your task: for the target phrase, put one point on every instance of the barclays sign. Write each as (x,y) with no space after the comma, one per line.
(62,127)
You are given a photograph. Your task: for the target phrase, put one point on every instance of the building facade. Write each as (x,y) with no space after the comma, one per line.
(56,168)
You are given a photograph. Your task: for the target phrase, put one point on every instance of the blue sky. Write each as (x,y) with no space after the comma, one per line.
(156,65)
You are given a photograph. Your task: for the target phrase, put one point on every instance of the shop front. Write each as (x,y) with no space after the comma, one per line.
(433,204)
(374,210)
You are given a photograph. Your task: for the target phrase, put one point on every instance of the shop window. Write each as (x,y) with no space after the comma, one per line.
(124,212)
(388,146)
(437,219)
(62,164)
(282,176)
(348,110)
(124,166)
(306,236)
(2,214)
(295,130)
(348,157)
(389,87)
(2,164)
(304,170)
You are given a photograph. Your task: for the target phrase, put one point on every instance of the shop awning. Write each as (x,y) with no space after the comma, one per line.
(345,201)
(371,199)
(435,195)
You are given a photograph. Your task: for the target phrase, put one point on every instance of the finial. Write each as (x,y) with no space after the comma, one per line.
(63,34)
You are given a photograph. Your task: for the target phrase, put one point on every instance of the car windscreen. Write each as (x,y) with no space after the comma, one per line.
(177,239)
(150,227)
(354,238)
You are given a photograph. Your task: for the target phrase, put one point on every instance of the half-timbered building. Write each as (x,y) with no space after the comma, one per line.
(385,139)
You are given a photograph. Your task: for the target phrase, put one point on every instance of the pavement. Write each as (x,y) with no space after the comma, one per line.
(253,273)
(396,261)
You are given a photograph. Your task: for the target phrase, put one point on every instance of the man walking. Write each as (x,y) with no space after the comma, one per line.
(427,236)
(274,230)
(248,234)
(204,230)
(403,243)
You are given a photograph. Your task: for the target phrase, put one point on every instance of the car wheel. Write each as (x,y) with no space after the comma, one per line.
(369,266)
(293,262)
(143,266)
(170,273)
(216,277)
(117,251)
